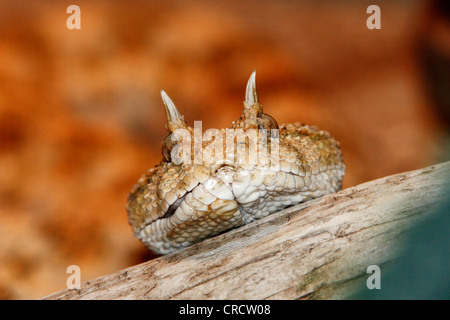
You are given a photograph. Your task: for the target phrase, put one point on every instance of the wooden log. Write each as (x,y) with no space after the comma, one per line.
(317,250)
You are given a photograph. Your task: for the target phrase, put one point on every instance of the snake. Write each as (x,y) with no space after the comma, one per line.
(179,203)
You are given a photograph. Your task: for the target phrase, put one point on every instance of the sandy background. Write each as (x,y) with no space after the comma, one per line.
(81,117)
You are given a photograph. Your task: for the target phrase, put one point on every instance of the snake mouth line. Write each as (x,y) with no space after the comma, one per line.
(173,207)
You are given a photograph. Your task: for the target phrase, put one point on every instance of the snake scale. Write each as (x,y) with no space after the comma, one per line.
(175,205)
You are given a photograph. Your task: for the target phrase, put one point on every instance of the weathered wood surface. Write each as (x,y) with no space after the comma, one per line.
(317,250)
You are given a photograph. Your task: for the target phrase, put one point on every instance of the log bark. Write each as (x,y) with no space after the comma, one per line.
(316,250)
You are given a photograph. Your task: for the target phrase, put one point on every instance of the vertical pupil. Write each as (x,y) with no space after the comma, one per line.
(167,148)
(266,122)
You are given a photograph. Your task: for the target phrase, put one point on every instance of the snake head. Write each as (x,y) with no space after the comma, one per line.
(176,204)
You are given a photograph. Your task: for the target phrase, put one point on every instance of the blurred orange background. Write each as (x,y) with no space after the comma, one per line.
(81,117)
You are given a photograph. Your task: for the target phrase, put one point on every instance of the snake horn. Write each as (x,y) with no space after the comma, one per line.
(253,111)
(174,118)
(251,97)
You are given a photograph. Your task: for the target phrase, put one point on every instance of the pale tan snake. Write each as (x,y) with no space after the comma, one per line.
(175,205)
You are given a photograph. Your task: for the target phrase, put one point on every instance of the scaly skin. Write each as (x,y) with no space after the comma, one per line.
(176,205)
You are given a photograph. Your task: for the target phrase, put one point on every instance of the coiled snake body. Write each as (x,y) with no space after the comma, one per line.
(175,205)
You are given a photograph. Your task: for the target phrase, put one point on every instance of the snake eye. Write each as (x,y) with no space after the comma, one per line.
(266,122)
(167,147)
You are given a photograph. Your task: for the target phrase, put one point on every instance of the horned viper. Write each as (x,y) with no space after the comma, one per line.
(220,182)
